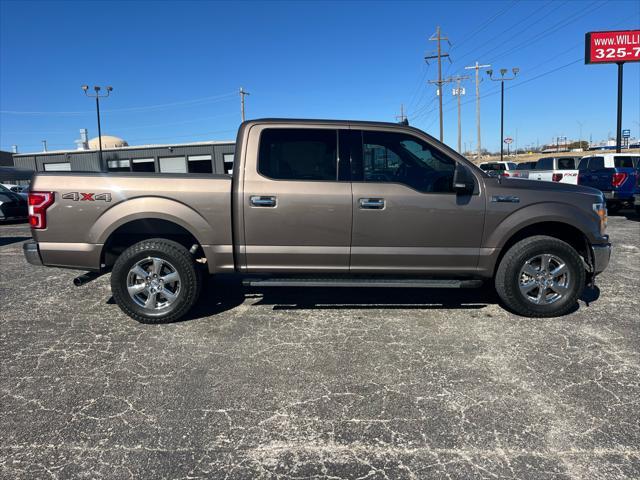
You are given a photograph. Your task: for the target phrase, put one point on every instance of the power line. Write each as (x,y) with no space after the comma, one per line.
(484,25)
(136,127)
(211,99)
(421,79)
(554,28)
(500,36)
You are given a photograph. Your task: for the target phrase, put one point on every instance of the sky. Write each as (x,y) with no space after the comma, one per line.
(176,67)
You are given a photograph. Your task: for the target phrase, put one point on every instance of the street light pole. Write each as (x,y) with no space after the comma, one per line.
(97,96)
(502,79)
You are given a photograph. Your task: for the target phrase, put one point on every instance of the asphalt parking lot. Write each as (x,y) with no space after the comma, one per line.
(317,383)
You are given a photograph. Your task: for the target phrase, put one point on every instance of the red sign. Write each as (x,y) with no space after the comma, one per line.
(612,47)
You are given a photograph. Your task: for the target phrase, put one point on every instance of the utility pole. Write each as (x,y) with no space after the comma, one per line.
(502,79)
(579,133)
(402,118)
(97,96)
(242,94)
(44,145)
(437,37)
(458,91)
(477,68)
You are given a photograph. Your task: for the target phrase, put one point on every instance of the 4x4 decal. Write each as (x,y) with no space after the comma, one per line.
(83,197)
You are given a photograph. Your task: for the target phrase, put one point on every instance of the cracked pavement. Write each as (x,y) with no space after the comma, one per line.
(317,383)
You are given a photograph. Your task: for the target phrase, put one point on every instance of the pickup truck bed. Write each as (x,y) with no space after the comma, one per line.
(614,174)
(102,215)
(552,169)
(322,202)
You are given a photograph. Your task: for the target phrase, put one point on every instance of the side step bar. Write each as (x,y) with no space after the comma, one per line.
(361,282)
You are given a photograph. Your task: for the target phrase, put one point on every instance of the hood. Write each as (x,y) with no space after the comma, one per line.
(541,186)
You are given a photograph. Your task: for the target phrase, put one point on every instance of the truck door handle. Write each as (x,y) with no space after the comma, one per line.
(261,201)
(372,203)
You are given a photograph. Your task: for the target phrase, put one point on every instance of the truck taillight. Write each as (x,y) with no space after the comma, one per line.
(38,204)
(618,179)
(505,174)
(556,177)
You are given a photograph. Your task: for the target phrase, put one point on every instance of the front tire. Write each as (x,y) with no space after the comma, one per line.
(540,276)
(155,281)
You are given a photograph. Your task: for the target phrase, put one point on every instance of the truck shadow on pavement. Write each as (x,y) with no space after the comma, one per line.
(220,295)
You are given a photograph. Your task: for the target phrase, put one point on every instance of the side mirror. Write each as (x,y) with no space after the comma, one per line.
(463,180)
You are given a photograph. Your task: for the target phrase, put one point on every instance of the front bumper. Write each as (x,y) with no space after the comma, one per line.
(601,255)
(32,253)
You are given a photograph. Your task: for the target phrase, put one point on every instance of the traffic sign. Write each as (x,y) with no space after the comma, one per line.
(508,140)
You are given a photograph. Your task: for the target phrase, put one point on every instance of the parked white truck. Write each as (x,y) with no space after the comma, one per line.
(552,169)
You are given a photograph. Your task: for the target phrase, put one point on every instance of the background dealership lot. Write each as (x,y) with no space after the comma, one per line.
(401,384)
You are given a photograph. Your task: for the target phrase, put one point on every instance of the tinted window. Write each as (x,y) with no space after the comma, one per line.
(143,165)
(596,163)
(512,165)
(298,154)
(401,158)
(489,167)
(566,163)
(623,162)
(583,164)
(199,164)
(545,164)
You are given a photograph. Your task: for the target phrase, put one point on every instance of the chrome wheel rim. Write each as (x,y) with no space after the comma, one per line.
(153,283)
(544,279)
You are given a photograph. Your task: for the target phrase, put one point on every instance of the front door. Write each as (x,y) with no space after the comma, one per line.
(407,219)
(297,212)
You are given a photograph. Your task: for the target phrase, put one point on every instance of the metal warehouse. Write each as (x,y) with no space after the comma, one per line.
(198,157)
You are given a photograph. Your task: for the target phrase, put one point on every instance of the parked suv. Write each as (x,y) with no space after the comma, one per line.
(322,203)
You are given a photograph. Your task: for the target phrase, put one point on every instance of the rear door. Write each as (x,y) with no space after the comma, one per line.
(406,216)
(297,211)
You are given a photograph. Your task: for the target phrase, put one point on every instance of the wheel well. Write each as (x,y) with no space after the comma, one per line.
(138,230)
(562,231)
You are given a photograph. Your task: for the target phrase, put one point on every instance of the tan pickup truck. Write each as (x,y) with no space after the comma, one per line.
(322,203)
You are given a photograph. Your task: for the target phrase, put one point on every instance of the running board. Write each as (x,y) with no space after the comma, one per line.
(361,282)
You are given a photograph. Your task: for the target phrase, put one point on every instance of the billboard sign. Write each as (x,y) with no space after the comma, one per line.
(626,133)
(612,47)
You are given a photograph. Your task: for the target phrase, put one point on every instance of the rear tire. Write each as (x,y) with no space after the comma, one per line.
(540,276)
(155,281)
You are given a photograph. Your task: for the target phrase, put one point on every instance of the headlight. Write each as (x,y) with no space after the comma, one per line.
(601,211)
